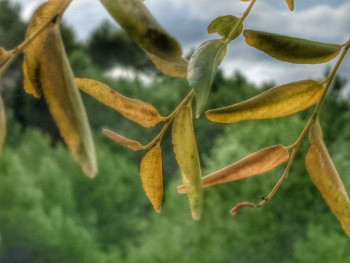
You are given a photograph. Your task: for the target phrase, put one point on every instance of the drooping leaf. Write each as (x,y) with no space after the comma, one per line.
(152,176)
(130,144)
(254,164)
(171,68)
(223,26)
(277,102)
(290,4)
(326,178)
(138,22)
(64,101)
(291,49)
(202,69)
(33,53)
(135,110)
(2,124)
(186,154)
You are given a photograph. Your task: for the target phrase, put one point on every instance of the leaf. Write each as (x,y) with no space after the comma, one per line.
(290,4)
(152,176)
(186,154)
(277,102)
(291,49)
(4,55)
(2,124)
(130,144)
(65,103)
(171,68)
(325,176)
(137,111)
(254,164)
(138,22)
(223,25)
(33,53)
(202,69)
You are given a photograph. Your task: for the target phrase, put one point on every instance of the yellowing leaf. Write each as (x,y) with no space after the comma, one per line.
(2,124)
(130,144)
(152,176)
(291,49)
(4,55)
(138,22)
(202,69)
(223,26)
(325,176)
(64,101)
(135,110)
(277,102)
(186,154)
(171,68)
(290,4)
(33,53)
(254,164)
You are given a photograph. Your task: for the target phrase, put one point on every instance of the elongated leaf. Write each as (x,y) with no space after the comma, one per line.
(130,144)
(254,164)
(135,110)
(277,102)
(2,124)
(137,21)
(291,49)
(33,53)
(186,154)
(171,68)
(64,101)
(325,176)
(152,176)
(223,26)
(290,4)
(202,69)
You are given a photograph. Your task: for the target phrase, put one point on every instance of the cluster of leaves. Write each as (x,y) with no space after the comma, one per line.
(48,73)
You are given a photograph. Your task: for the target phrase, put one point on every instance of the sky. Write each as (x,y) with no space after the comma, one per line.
(186,20)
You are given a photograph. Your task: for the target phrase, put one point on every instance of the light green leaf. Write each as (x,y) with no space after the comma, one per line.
(186,154)
(223,26)
(291,49)
(326,178)
(277,102)
(202,69)
(2,124)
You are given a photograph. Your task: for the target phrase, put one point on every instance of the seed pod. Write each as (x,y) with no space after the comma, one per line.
(254,164)
(130,144)
(277,102)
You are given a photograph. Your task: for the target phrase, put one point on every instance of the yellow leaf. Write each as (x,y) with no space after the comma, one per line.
(186,154)
(33,53)
(130,144)
(4,55)
(135,110)
(2,124)
(152,176)
(277,102)
(290,4)
(325,176)
(291,49)
(64,101)
(254,164)
(170,68)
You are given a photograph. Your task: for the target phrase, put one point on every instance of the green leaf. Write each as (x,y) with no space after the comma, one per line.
(117,138)
(137,111)
(290,4)
(291,49)
(186,154)
(152,176)
(64,101)
(2,124)
(223,26)
(202,69)
(326,178)
(277,102)
(253,164)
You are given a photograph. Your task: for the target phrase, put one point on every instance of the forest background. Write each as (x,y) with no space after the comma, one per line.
(50,212)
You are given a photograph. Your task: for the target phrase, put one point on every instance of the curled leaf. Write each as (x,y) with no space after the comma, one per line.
(326,178)
(171,68)
(152,176)
(2,124)
(130,144)
(277,102)
(254,164)
(291,49)
(202,69)
(290,4)
(186,154)
(223,26)
(135,110)
(64,101)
